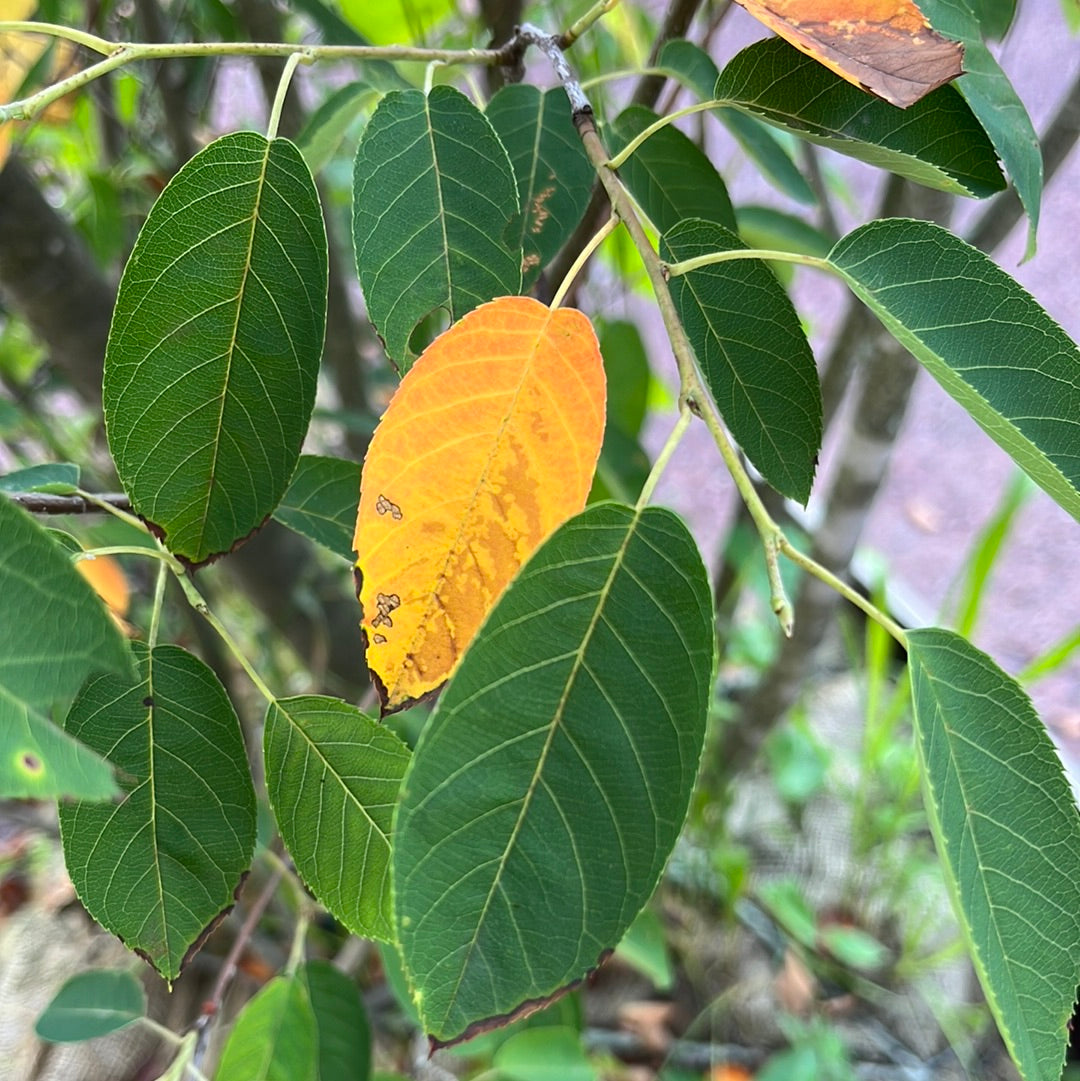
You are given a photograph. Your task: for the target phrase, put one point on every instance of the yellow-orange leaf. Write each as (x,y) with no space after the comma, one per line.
(884,46)
(109,582)
(488,445)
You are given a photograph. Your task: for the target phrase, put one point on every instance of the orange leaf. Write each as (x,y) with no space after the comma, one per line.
(884,46)
(110,583)
(488,445)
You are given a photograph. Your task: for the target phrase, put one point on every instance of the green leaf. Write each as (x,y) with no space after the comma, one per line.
(981,336)
(626,366)
(329,124)
(622,469)
(668,175)
(58,477)
(544,1054)
(1008,833)
(160,868)
(644,946)
(936,142)
(274,1037)
(987,90)
(753,353)
(321,502)
(435,214)
(550,784)
(344,1035)
(92,1004)
(765,227)
(694,68)
(994,17)
(554,175)
(209,373)
(40,761)
(332,775)
(55,632)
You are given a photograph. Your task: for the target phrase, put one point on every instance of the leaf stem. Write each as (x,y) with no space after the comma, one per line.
(664,457)
(597,11)
(583,257)
(853,595)
(130,550)
(675,269)
(54,30)
(657,125)
(283,89)
(155,613)
(109,504)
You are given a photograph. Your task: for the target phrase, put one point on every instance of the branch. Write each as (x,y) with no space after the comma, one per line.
(43,503)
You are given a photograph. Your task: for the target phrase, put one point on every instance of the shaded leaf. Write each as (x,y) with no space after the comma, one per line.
(59,477)
(1007,829)
(332,776)
(937,142)
(321,502)
(40,761)
(435,214)
(550,784)
(55,632)
(626,367)
(668,175)
(981,336)
(209,380)
(160,868)
(889,49)
(644,947)
(274,1037)
(766,227)
(753,353)
(489,443)
(327,127)
(987,90)
(622,469)
(694,68)
(994,16)
(554,175)
(344,1035)
(92,1004)
(552,1053)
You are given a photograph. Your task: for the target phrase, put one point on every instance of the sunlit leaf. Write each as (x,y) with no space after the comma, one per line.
(332,776)
(753,353)
(886,47)
(108,581)
(937,142)
(92,1004)
(554,175)
(644,947)
(321,502)
(274,1037)
(981,336)
(489,443)
(160,868)
(215,343)
(1007,829)
(435,214)
(669,175)
(344,1035)
(549,786)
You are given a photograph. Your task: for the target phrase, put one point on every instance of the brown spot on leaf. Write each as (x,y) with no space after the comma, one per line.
(31,763)
(385,506)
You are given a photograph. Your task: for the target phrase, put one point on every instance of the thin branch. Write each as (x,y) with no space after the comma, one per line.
(43,503)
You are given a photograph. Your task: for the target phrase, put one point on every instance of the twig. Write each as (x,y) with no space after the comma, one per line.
(43,503)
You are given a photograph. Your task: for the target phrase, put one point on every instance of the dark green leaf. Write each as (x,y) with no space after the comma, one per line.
(753,354)
(321,502)
(40,761)
(626,366)
(58,477)
(328,125)
(161,867)
(764,227)
(274,1037)
(344,1035)
(92,1004)
(550,784)
(55,632)
(554,176)
(691,65)
(994,16)
(435,214)
(668,175)
(1008,833)
(987,90)
(622,469)
(936,142)
(215,343)
(981,336)
(332,775)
